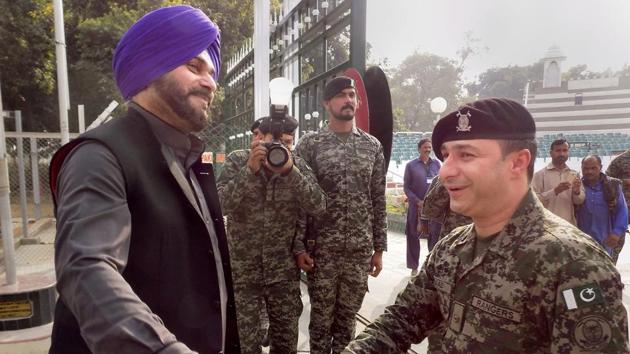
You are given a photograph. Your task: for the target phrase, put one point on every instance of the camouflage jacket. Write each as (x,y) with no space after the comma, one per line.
(437,207)
(542,286)
(262,215)
(352,174)
(620,168)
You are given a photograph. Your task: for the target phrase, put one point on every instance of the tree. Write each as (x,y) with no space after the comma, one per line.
(93,27)
(625,71)
(506,82)
(27,65)
(420,78)
(581,72)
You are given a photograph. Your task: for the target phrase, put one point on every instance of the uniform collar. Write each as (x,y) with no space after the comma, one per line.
(355,131)
(524,225)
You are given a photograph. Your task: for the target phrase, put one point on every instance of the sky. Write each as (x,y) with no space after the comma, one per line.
(591,32)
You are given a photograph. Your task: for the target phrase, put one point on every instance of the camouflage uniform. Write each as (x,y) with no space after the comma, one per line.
(542,286)
(261,223)
(620,168)
(352,173)
(437,207)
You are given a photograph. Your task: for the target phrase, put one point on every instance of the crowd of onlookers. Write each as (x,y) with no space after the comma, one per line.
(593,200)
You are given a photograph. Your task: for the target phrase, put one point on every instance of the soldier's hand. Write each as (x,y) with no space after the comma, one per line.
(376,263)
(612,240)
(257,156)
(305,262)
(561,187)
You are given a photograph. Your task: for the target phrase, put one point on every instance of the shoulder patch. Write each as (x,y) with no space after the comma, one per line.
(583,296)
(592,333)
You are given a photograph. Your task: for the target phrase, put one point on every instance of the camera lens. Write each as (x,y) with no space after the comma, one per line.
(277,156)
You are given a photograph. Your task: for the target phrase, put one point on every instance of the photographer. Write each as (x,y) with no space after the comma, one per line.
(262,204)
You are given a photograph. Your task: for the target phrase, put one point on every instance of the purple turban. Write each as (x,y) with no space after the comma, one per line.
(161,41)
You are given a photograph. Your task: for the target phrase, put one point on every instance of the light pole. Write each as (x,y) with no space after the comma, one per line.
(438,106)
(316,116)
(307,118)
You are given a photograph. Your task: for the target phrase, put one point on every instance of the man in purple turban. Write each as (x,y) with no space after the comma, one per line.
(141,254)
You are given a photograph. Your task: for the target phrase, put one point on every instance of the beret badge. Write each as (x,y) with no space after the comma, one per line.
(463,124)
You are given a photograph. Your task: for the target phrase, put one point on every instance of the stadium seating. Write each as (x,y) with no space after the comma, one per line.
(582,144)
(405,144)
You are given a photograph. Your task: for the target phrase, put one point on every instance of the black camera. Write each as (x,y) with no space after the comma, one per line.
(277,154)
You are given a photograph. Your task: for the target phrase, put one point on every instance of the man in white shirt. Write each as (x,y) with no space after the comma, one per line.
(557,186)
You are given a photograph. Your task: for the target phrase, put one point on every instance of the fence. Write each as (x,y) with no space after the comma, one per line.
(221,138)
(28,158)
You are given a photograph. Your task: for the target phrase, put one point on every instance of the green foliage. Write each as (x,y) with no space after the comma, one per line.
(27,63)
(93,27)
(506,82)
(395,209)
(420,78)
(581,72)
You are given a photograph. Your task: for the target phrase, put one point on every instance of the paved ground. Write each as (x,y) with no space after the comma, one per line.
(38,257)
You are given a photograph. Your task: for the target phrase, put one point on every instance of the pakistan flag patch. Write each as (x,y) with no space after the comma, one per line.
(583,296)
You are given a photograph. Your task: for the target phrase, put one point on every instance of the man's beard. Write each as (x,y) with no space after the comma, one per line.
(560,160)
(177,99)
(346,117)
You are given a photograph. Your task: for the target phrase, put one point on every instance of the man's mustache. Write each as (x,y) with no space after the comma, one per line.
(348,106)
(201,92)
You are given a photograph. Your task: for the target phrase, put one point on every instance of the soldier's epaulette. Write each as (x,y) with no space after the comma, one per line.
(572,243)
(369,136)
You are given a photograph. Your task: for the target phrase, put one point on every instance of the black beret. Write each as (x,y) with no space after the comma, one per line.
(336,85)
(492,118)
(256,124)
(289,125)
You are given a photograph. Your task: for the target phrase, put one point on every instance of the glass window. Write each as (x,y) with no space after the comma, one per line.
(312,61)
(338,48)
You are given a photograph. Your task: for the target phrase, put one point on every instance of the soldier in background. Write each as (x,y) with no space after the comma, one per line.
(437,207)
(261,204)
(620,168)
(352,235)
(519,279)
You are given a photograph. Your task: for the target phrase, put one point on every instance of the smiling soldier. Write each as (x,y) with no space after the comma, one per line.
(517,280)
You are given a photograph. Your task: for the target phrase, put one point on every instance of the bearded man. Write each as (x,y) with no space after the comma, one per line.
(351,235)
(141,255)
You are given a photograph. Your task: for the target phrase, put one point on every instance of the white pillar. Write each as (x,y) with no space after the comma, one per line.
(81,110)
(5,207)
(261,58)
(21,173)
(62,72)
(37,210)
